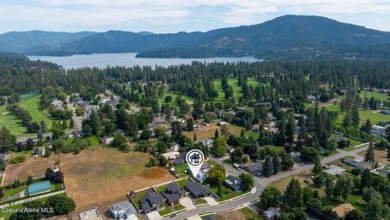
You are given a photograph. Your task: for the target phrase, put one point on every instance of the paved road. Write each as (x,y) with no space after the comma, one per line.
(261,183)
(75,118)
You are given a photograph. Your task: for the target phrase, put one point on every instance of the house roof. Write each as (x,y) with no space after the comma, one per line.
(233,182)
(255,167)
(92,214)
(356,164)
(148,200)
(343,209)
(196,189)
(173,192)
(334,170)
(272,212)
(124,208)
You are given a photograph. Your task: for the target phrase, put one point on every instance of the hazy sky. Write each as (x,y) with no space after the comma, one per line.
(165,16)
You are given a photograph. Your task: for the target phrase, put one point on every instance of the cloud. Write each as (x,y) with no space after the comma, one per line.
(176,15)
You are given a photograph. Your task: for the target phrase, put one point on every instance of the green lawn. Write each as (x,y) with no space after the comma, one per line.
(376,95)
(161,100)
(138,199)
(355,199)
(181,168)
(179,207)
(38,114)
(374,117)
(7,215)
(165,211)
(11,122)
(11,192)
(237,90)
(161,189)
(201,201)
(226,193)
(182,182)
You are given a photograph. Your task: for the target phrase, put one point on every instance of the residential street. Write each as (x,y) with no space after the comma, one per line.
(260,184)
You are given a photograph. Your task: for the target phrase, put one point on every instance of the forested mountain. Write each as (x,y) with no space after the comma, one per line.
(286,37)
(37,42)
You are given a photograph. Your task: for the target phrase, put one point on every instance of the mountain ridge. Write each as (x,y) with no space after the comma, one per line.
(285,37)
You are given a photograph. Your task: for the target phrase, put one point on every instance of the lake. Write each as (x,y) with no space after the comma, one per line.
(103,60)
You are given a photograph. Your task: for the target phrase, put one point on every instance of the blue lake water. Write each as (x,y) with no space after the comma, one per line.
(127,59)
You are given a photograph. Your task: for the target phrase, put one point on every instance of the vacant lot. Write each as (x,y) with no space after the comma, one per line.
(103,175)
(380,156)
(35,167)
(208,132)
(303,178)
(96,177)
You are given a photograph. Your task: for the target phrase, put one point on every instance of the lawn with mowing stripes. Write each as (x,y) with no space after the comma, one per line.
(38,114)
(237,90)
(11,122)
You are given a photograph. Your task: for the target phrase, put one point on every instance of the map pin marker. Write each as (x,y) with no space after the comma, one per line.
(195,159)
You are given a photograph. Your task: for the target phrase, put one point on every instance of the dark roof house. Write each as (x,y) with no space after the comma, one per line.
(356,163)
(233,183)
(255,168)
(173,193)
(151,202)
(197,190)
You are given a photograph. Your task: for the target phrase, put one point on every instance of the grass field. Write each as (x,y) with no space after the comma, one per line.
(11,122)
(376,95)
(14,124)
(374,116)
(161,100)
(38,114)
(237,90)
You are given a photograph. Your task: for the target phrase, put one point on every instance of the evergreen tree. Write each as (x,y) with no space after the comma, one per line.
(190,124)
(370,154)
(366,179)
(43,126)
(355,118)
(290,130)
(317,170)
(216,134)
(247,181)
(367,126)
(329,185)
(292,197)
(268,168)
(270,197)
(276,164)
(71,123)
(195,138)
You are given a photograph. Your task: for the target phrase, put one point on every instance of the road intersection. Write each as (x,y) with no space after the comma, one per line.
(261,183)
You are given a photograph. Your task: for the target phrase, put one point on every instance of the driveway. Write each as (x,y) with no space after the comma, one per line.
(211,201)
(187,202)
(154,215)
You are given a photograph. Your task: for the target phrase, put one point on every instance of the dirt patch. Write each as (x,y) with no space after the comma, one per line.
(303,178)
(233,215)
(96,178)
(380,156)
(105,175)
(33,166)
(204,132)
